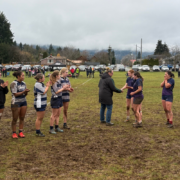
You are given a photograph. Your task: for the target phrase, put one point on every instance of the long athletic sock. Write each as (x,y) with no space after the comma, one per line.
(170,122)
(56,126)
(38,131)
(51,127)
(167,120)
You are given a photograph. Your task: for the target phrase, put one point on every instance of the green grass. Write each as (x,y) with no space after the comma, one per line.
(90,150)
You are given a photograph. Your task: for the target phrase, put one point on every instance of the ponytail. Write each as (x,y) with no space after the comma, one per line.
(17,74)
(38,76)
(170,74)
(138,75)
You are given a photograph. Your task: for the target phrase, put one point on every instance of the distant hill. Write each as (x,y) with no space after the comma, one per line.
(118,53)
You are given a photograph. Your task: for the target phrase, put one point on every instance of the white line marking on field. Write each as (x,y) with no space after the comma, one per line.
(86,81)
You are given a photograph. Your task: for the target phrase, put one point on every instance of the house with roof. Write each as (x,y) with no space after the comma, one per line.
(50,60)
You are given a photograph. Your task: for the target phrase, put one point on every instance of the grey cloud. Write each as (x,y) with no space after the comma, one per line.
(94,24)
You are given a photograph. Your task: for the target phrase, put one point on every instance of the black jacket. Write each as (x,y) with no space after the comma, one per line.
(106,88)
(3,91)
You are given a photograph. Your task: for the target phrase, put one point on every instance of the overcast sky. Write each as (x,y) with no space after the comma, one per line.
(94,24)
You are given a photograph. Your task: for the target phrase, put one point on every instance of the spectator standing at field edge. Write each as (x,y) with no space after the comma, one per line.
(3,91)
(106,89)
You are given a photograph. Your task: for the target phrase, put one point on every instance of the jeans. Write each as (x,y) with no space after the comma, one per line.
(108,113)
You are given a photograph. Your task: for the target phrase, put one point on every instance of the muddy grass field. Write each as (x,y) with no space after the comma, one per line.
(90,150)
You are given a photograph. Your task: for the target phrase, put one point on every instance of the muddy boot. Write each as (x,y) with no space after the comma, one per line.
(109,124)
(137,125)
(65,126)
(170,126)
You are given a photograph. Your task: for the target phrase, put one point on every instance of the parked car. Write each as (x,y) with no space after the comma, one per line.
(96,67)
(112,66)
(102,66)
(1,66)
(164,68)
(145,68)
(8,67)
(45,67)
(37,66)
(121,67)
(156,68)
(135,67)
(139,67)
(25,67)
(73,66)
(17,67)
(82,67)
(177,67)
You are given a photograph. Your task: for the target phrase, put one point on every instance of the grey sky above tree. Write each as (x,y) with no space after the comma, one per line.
(94,24)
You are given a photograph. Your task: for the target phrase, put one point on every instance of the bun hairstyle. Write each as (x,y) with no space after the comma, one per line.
(38,76)
(138,75)
(63,70)
(53,76)
(108,70)
(17,73)
(131,71)
(170,74)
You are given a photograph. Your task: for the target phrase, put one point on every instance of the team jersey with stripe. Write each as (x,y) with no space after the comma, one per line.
(55,87)
(39,89)
(65,94)
(17,87)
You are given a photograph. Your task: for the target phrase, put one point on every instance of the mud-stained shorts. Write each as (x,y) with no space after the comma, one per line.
(18,104)
(138,100)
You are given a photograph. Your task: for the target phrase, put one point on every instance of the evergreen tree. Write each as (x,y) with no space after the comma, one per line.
(139,55)
(14,43)
(45,54)
(51,49)
(6,36)
(110,54)
(166,49)
(37,48)
(113,58)
(161,48)
(20,46)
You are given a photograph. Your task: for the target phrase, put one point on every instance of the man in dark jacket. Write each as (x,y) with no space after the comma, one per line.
(106,88)
(3,90)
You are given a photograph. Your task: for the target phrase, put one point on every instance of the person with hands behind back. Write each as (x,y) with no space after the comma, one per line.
(3,91)
(167,96)
(56,101)
(18,103)
(40,101)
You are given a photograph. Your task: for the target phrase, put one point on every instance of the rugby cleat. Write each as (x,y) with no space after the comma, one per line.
(40,135)
(21,135)
(14,136)
(58,130)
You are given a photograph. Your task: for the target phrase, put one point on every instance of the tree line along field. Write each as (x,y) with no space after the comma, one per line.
(90,150)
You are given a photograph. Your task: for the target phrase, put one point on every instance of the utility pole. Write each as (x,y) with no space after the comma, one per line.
(136,52)
(141,48)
